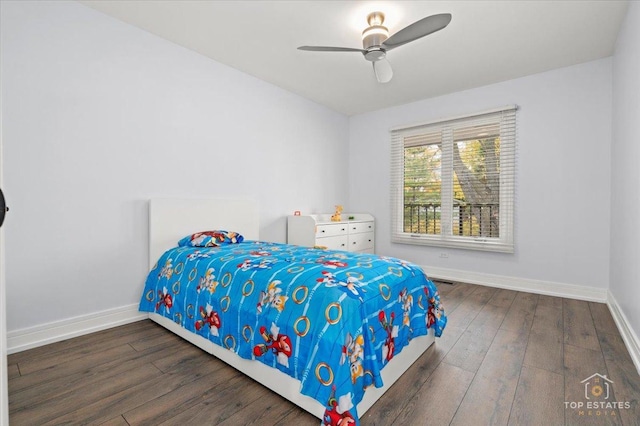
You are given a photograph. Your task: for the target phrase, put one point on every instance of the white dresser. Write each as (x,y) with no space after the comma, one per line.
(354,233)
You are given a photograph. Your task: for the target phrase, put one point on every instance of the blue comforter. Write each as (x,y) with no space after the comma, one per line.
(330,319)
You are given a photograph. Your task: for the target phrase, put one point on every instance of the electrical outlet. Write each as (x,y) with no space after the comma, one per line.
(444,255)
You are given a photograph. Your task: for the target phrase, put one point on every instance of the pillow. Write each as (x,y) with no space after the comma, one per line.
(210,239)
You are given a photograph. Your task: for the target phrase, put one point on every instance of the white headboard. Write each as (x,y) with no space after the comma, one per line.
(171,219)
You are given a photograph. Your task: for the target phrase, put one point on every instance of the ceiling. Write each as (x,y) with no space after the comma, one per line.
(486,42)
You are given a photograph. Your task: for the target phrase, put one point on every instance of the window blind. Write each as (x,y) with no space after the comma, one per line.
(453,182)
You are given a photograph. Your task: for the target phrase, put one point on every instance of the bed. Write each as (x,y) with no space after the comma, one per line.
(330,331)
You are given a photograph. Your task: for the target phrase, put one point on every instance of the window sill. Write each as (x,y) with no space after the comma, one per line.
(480,244)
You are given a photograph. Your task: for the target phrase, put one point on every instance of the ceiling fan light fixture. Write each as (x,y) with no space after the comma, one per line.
(376,33)
(383,71)
(377,42)
(374,36)
(375,18)
(375,54)
(375,30)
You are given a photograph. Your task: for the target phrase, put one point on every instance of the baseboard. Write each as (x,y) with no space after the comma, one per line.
(32,337)
(629,336)
(549,288)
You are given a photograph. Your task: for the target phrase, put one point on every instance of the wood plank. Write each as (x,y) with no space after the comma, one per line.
(490,316)
(65,402)
(464,315)
(491,393)
(84,377)
(298,417)
(602,319)
(482,294)
(550,301)
(36,364)
(548,320)
(438,399)
(138,393)
(263,411)
(184,397)
(470,350)
(79,369)
(545,349)
(387,408)
(131,329)
(469,308)
(154,338)
(116,421)
(581,364)
(171,361)
(503,297)
(622,371)
(65,369)
(444,288)
(578,325)
(448,338)
(519,318)
(537,399)
(13,371)
(452,299)
(222,405)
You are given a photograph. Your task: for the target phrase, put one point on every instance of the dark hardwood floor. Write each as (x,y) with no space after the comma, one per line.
(506,358)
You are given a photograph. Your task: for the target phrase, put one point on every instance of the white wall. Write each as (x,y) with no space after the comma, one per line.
(563,175)
(625,180)
(99,116)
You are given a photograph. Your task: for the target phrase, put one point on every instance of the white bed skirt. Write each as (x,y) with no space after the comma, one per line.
(289,387)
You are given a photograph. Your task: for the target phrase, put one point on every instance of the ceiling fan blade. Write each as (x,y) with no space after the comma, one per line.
(418,29)
(330,49)
(383,71)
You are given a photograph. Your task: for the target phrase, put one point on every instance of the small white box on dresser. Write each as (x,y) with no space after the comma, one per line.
(356,232)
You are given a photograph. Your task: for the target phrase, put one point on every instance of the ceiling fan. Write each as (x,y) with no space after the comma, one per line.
(376,41)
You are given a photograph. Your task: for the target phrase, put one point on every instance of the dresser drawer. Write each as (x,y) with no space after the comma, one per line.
(361,241)
(358,227)
(355,234)
(330,230)
(339,242)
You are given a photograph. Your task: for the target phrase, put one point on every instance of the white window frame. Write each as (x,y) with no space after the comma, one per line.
(506,117)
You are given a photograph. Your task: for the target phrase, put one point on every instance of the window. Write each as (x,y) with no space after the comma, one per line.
(453,182)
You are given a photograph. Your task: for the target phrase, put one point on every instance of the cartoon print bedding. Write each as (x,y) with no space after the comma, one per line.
(330,319)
